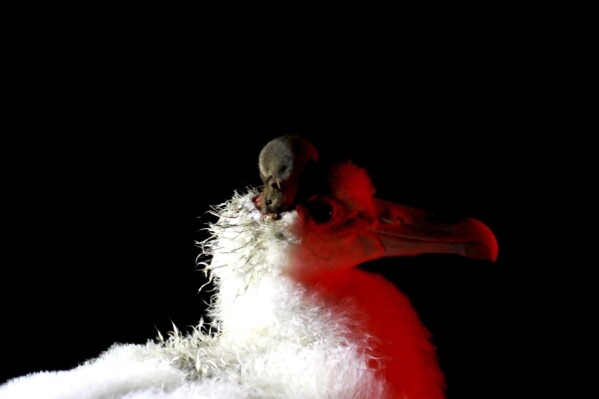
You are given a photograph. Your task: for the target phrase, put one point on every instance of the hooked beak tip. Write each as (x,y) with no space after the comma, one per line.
(483,244)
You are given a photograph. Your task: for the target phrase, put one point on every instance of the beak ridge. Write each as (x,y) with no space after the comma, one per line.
(405,231)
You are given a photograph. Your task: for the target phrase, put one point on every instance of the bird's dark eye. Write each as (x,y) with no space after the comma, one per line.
(283,168)
(320,211)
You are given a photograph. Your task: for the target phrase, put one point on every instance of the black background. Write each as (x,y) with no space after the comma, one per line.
(112,164)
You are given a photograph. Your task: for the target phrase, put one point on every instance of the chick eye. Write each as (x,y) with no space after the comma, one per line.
(320,211)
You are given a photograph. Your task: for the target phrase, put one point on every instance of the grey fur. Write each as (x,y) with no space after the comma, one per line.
(282,162)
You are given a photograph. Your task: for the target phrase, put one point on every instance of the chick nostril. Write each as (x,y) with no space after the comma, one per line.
(389,218)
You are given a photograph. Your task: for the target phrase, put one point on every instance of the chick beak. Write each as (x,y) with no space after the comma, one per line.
(405,231)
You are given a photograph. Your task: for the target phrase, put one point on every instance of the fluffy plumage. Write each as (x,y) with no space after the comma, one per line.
(293,317)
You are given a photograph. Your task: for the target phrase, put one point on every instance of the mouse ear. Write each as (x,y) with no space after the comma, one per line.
(305,149)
